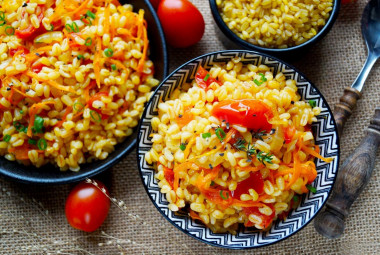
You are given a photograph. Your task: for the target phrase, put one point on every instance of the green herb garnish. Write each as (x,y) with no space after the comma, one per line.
(206,77)
(259,134)
(295,198)
(182,146)
(97,118)
(51,27)
(220,134)
(206,135)
(7,138)
(2,16)
(78,106)
(311,188)
(262,79)
(32,142)
(72,28)
(91,14)
(222,196)
(38,125)
(88,41)
(42,144)
(108,52)
(21,112)
(79,57)
(9,30)
(312,103)
(240,144)
(251,151)
(86,18)
(212,183)
(113,67)
(3,23)
(19,127)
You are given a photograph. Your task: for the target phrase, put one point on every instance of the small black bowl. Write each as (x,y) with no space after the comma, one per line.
(231,40)
(49,174)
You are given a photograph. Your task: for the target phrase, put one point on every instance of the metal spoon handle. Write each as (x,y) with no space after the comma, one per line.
(352,178)
(362,77)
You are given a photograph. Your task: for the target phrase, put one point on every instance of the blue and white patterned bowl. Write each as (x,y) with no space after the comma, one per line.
(326,138)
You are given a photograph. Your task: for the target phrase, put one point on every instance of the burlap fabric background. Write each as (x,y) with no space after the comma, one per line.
(32,219)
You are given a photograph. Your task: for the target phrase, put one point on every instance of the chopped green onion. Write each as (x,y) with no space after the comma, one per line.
(311,188)
(51,27)
(38,124)
(98,117)
(263,78)
(90,14)
(88,19)
(220,134)
(257,82)
(295,198)
(2,24)
(212,183)
(42,144)
(79,57)
(12,32)
(88,41)
(71,28)
(32,142)
(19,127)
(7,138)
(182,146)
(76,108)
(113,66)
(2,15)
(108,52)
(222,196)
(21,112)
(312,103)
(206,77)
(206,135)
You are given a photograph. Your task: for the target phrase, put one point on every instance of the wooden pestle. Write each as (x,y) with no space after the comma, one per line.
(355,172)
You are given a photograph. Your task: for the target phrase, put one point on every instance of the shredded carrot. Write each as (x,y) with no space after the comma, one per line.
(194,215)
(107,18)
(225,141)
(296,169)
(188,147)
(119,64)
(140,66)
(180,168)
(50,82)
(67,111)
(32,113)
(35,99)
(316,154)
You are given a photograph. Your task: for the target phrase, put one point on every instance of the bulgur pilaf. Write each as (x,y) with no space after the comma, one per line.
(74,79)
(275,23)
(235,146)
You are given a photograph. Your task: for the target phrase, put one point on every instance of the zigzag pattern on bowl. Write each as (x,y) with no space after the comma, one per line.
(326,139)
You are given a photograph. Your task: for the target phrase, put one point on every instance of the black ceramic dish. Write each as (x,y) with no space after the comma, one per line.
(48,174)
(231,40)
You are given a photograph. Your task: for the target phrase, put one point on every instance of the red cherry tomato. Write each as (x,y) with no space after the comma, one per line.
(182,22)
(251,113)
(87,206)
(266,220)
(254,181)
(289,132)
(36,68)
(23,50)
(203,78)
(155,3)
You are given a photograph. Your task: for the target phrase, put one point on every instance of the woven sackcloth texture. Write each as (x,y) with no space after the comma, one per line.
(32,218)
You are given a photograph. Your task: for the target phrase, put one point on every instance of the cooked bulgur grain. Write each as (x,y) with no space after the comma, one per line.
(74,79)
(275,23)
(235,145)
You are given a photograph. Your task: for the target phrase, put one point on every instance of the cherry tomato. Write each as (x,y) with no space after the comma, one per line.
(24,50)
(87,206)
(36,68)
(266,219)
(155,3)
(254,181)
(169,175)
(30,30)
(203,78)
(251,113)
(289,132)
(182,22)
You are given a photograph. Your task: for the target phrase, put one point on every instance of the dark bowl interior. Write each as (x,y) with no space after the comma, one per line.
(49,174)
(231,40)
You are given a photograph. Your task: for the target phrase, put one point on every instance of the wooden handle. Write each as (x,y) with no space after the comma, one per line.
(353,176)
(343,109)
